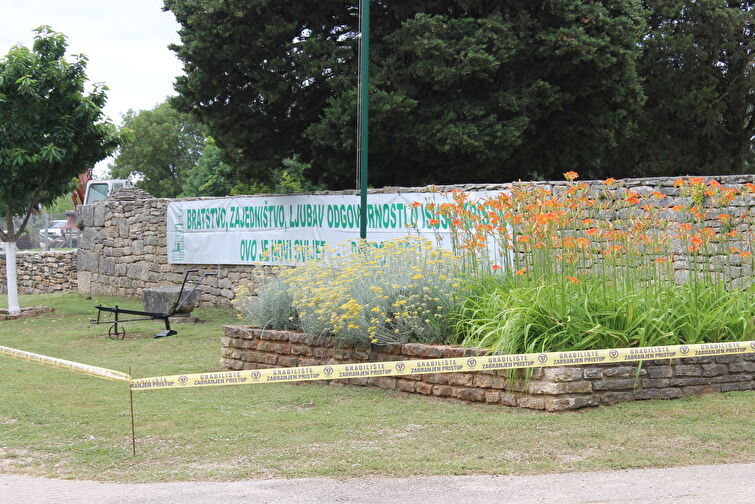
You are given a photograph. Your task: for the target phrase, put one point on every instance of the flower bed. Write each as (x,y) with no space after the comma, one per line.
(551,389)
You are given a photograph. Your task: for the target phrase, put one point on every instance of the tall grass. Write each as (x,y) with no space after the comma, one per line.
(518,317)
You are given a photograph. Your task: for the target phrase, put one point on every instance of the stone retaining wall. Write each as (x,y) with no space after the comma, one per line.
(122,249)
(42,272)
(551,389)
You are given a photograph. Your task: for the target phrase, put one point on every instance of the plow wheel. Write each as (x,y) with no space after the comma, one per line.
(116,332)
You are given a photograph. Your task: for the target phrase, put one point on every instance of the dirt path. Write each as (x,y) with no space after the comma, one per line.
(727,484)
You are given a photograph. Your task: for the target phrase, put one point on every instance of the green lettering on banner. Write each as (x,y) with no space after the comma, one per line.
(343,216)
(248,250)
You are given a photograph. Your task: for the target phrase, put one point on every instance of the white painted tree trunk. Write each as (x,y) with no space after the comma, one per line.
(10,276)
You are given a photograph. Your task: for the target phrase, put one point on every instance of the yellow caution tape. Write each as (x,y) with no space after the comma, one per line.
(450,365)
(76,367)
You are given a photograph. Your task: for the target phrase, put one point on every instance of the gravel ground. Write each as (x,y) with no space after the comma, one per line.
(727,484)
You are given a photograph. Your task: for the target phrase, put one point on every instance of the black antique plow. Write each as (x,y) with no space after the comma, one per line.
(116,329)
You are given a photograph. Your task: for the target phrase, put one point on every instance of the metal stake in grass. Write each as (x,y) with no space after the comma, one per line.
(133,430)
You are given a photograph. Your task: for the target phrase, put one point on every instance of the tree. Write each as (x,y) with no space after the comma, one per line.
(51,130)
(211,176)
(165,145)
(697,64)
(460,91)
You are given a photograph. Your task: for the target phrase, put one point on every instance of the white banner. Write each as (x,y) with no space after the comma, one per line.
(248,229)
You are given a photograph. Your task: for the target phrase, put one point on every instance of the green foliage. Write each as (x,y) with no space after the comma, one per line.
(51,129)
(272,309)
(699,81)
(396,292)
(519,317)
(287,179)
(460,91)
(211,176)
(166,145)
(60,205)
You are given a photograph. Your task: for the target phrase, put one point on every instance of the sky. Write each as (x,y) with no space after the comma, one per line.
(126,42)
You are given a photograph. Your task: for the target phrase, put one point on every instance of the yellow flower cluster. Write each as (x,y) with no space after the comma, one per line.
(390,292)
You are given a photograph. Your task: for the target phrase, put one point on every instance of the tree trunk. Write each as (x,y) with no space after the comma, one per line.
(10,277)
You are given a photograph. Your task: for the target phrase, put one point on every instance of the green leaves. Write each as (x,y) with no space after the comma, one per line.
(163,146)
(52,129)
(460,91)
(525,318)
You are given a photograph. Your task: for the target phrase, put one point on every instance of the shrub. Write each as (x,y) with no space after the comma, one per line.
(396,291)
(272,309)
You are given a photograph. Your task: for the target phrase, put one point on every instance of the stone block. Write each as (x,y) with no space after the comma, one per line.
(442,390)
(282,348)
(386,383)
(556,388)
(700,389)
(270,359)
(742,367)
(482,380)
(510,398)
(470,394)
(436,379)
(563,374)
(614,384)
(84,282)
(564,403)
(655,382)
(99,214)
(411,349)
(87,261)
(162,299)
(453,352)
(492,396)
(405,385)
(86,214)
(714,369)
(659,372)
(615,397)
(430,352)
(730,387)
(532,402)
(623,372)
(664,393)
(687,370)
(423,388)
(683,381)
(592,373)
(461,379)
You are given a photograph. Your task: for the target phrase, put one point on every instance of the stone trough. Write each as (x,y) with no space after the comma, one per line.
(162,300)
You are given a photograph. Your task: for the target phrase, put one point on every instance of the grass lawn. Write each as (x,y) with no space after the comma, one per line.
(60,424)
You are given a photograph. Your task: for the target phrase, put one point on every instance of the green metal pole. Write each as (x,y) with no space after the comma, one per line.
(363,93)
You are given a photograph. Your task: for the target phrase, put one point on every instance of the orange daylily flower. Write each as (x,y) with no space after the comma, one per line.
(571,175)
(572,279)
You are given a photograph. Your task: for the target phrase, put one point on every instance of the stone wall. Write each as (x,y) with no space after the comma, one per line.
(551,389)
(42,272)
(122,249)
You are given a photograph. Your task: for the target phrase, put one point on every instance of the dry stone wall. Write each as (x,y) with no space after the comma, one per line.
(551,389)
(122,248)
(42,272)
